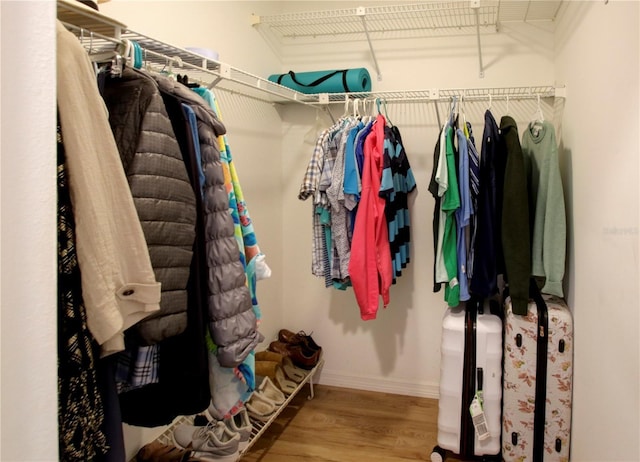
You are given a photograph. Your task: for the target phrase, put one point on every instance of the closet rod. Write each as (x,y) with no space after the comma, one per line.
(434,94)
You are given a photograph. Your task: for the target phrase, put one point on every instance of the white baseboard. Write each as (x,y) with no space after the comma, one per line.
(380,384)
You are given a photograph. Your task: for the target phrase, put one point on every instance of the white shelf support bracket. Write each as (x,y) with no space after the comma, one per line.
(254,19)
(362,12)
(475,5)
(560,92)
(224,73)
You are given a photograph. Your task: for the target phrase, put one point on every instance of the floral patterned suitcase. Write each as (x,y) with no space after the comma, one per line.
(536,420)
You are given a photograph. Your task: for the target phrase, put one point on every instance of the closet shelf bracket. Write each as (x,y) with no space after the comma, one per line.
(475,6)
(362,13)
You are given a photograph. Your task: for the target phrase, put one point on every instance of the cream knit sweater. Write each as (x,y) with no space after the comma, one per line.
(118,284)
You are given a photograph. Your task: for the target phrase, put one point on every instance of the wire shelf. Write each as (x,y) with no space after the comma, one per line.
(381,20)
(435,94)
(99,34)
(433,18)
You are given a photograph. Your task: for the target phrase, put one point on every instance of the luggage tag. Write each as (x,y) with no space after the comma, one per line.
(477,415)
(477,412)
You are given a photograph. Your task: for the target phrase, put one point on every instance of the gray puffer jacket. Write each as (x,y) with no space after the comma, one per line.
(162,194)
(232,321)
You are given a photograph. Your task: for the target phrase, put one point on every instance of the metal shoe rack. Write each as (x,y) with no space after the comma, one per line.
(258,427)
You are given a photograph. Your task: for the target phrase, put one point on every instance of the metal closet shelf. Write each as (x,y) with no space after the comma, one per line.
(446,94)
(405,21)
(99,33)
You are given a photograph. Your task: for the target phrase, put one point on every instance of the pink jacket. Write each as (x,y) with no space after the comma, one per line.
(370,264)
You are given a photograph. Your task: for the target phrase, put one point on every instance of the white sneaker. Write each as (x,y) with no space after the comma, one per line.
(214,441)
(239,423)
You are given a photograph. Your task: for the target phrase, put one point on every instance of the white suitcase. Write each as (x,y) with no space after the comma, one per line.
(471,359)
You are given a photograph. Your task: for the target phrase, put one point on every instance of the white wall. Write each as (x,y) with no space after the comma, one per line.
(29,405)
(597,56)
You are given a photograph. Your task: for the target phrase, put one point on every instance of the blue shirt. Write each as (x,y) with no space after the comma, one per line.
(351,184)
(463,214)
(193,126)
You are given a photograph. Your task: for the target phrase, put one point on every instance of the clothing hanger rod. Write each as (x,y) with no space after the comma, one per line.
(445,95)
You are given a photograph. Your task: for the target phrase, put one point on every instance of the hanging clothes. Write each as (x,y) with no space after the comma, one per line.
(340,233)
(397,182)
(354,158)
(80,404)
(548,236)
(442,185)
(449,205)
(118,284)
(244,232)
(487,245)
(435,222)
(232,324)
(308,189)
(161,190)
(231,387)
(370,265)
(464,213)
(516,241)
(474,187)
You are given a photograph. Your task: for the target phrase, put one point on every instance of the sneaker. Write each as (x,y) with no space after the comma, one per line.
(239,423)
(213,441)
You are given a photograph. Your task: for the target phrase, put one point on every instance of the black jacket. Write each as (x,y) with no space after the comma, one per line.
(162,194)
(515,219)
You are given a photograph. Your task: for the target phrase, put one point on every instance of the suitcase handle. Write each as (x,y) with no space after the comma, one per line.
(480,377)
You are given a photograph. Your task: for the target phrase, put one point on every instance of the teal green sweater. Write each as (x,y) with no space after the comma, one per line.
(548,237)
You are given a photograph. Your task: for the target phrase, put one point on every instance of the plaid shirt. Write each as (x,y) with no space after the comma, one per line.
(137,367)
(308,189)
(314,169)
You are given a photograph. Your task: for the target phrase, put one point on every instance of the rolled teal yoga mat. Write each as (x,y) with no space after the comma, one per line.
(335,81)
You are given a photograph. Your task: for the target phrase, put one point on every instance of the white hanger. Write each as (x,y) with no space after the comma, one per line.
(540,114)
(356,104)
(537,119)
(346,106)
(461,113)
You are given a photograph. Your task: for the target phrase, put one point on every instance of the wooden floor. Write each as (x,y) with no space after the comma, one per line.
(344,425)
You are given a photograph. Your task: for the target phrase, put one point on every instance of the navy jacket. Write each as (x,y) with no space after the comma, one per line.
(489,261)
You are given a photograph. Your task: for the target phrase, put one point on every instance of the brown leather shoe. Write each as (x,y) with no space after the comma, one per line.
(303,357)
(300,355)
(279,347)
(287,336)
